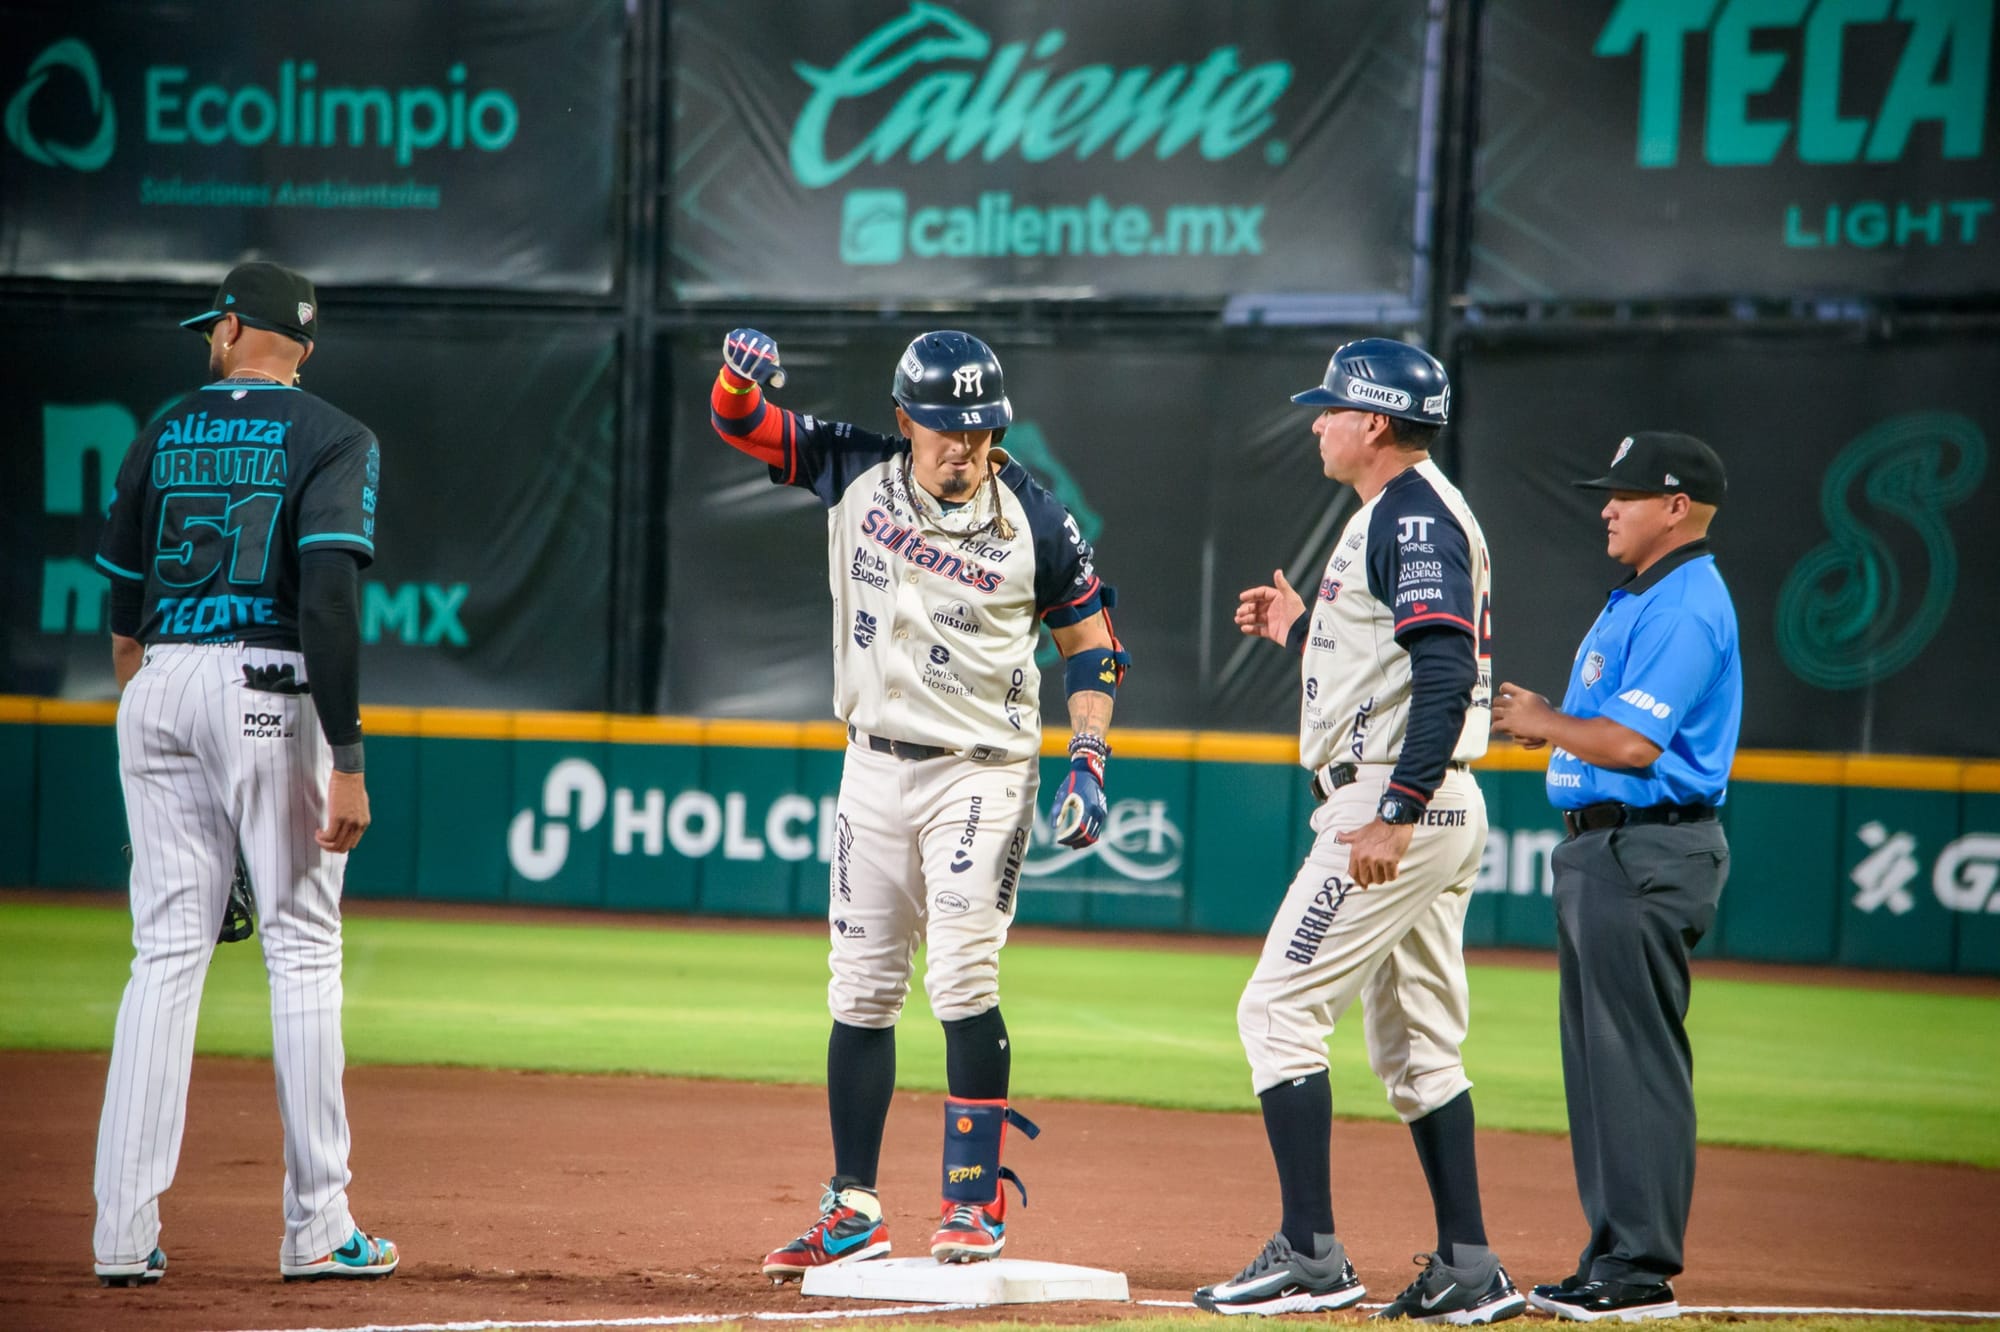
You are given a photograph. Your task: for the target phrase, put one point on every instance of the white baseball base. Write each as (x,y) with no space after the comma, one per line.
(999,1281)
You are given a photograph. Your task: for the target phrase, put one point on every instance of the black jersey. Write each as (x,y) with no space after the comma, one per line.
(219,496)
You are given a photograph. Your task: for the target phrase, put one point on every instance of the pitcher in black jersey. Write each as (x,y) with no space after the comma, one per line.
(241,520)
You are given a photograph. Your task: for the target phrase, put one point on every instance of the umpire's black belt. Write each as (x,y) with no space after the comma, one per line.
(1611,814)
(901,749)
(1327,780)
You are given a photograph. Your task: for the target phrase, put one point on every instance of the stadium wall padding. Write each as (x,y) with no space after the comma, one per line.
(1876,862)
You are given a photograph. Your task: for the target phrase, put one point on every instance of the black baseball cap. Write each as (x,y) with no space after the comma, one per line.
(266,296)
(1664,462)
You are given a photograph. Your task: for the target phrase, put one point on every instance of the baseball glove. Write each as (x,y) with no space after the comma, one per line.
(239,918)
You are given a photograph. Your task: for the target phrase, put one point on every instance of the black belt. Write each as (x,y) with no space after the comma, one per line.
(901,749)
(1333,776)
(1611,814)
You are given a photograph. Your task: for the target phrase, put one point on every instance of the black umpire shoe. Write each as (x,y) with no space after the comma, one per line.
(1569,1285)
(1624,1301)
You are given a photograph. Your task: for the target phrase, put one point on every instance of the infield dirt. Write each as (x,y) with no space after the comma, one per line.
(537,1196)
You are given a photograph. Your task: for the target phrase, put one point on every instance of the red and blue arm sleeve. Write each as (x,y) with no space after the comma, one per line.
(739,413)
(801,450)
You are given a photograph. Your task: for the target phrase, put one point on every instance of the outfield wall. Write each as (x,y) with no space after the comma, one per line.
(1863,861)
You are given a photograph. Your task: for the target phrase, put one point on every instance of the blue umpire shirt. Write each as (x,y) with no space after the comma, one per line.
(1662,660)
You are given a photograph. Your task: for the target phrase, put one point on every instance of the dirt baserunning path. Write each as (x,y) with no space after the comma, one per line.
(537,1196)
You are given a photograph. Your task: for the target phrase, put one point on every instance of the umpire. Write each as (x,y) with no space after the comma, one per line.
(1644,743)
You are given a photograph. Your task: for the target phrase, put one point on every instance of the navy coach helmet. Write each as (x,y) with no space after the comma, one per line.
(950,380)
(1386,376)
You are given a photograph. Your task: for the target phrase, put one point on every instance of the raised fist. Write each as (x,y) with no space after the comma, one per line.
(754,356)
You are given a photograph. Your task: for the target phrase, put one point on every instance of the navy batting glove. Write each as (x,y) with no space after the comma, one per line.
(1079,809)
(754,356)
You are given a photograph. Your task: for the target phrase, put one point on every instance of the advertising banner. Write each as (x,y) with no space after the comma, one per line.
(1664,148)
(998,148)
(1899,877)
(1858,538)
(459,143)
(1183,461)
(752,832)
(495,522)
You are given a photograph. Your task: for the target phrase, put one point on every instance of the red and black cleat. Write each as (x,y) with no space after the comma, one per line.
(849,1230)
(970,1232)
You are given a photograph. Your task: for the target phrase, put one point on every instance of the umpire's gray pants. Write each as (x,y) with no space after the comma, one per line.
(1630,904)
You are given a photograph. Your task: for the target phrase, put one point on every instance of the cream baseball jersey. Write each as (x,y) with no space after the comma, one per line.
(934,609)
(1411,558)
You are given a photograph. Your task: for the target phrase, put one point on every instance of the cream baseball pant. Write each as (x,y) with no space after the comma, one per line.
(925,847)
(1398,947)
(209,765)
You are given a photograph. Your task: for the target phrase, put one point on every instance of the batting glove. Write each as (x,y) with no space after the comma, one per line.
(754,356)
(1079,809)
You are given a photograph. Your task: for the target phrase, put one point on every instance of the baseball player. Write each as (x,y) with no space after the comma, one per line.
(1396,681)
(241,519)
(943,557)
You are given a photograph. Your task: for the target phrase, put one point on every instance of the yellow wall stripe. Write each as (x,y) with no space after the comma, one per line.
(1895,771)
(1505,757)
(1797,767)
(63,712)
(1909,774)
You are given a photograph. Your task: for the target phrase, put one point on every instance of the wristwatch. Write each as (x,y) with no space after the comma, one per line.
(1398,809)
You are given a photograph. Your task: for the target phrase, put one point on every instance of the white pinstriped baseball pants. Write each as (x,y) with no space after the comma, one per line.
(206,763)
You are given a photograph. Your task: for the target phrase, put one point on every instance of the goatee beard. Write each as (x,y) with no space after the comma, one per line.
(954,485)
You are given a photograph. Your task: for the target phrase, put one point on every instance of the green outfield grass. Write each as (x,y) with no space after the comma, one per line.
(1868,1072)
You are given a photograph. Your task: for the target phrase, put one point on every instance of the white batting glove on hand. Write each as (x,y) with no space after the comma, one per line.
(754,356)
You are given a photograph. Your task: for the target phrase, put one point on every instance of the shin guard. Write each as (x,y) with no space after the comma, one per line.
(974,1133)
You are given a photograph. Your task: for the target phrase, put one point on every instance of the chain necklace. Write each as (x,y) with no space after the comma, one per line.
(933,518)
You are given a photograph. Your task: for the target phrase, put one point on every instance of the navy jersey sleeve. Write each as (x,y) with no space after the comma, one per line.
(1066,588)
(336,498)
(1419,561)
(121,551)
(825,456)
(1671,661)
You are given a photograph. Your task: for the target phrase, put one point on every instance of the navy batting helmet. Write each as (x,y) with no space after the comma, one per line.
(949,380)
(1386,376)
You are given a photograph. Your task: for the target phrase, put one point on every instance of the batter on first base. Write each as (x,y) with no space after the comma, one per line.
(241,520)
(944,555)
(1395,670)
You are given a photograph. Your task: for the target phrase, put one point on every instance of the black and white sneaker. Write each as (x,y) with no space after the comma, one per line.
(1623,1301)
(1282,1280)
(143,1273)
(1461,1295)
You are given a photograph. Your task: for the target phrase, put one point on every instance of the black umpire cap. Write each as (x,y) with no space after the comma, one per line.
(267,296)
(1664,462)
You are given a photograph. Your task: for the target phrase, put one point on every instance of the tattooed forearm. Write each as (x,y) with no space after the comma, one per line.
(1090,713)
